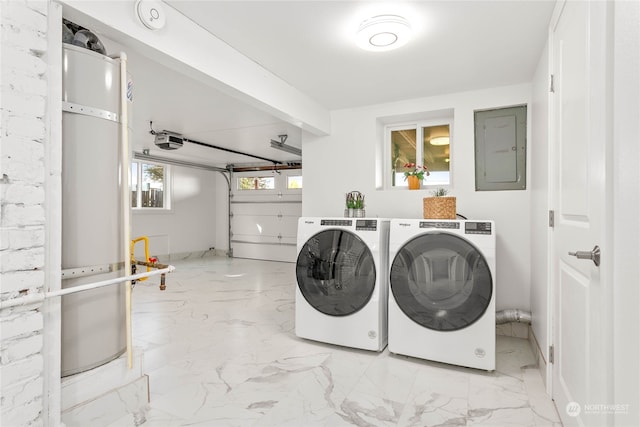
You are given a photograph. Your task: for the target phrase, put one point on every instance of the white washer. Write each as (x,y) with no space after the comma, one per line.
(442,298)
(342,281)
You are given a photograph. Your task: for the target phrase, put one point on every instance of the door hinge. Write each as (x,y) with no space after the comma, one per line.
(552,219)
(551,87)
(551,355)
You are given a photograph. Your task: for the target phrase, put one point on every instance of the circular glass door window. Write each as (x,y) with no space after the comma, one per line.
(441,281)
(336,272)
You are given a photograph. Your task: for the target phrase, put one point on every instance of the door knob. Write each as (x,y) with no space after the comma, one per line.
(593,255)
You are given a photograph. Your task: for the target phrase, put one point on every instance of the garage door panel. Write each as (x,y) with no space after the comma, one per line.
(263,239)
(267,209)
(270,252)
(265,230)
(264,225)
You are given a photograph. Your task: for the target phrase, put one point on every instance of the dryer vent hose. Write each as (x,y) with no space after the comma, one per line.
(513,315)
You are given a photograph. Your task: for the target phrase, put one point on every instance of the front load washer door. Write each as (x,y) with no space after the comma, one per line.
(441,281)
(336,272)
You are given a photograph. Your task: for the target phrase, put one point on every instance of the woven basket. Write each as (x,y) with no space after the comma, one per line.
(439,207)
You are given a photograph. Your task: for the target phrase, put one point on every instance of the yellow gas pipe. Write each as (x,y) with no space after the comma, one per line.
(148,262)
(146,252)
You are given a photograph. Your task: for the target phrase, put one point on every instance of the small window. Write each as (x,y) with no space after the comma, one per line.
(433,153)
(436,143)
(403,151)
(256,183)
(294,182)
(148,185)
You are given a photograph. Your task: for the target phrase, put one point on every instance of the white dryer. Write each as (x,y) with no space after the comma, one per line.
(342,281)
(443,286)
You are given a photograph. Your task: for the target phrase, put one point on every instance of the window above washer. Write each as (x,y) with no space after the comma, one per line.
(420,143)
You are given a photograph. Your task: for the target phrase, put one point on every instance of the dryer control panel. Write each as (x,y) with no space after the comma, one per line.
(470,227)
(367,224)
(473,227)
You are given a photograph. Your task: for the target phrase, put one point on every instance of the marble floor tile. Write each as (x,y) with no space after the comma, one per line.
(220,350)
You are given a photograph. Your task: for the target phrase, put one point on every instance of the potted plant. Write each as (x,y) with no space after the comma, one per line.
(439,205)
(415,175)
(354,205)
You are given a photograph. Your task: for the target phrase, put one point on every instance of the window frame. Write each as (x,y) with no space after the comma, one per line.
(166,186)
(418,126)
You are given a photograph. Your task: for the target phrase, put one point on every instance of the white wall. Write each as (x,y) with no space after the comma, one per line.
(346,160)
(539,150)
(23,104)
(626,210)
(190,225)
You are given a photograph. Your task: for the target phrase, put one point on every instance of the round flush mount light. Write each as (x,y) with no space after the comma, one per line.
(440,140)
(383,32)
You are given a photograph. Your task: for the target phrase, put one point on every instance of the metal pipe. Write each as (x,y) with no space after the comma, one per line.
(154,158)
(513,315)
(204,144)
(126,198)
(288,166)
(154,265)
(41,296)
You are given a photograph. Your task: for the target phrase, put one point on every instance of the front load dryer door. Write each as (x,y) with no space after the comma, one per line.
(336,272)
(441,281)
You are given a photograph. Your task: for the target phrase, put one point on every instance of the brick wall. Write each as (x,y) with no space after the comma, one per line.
(23,98)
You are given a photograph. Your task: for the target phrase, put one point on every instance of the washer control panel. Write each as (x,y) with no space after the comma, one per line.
(473,227)
(449,225)
(336,222)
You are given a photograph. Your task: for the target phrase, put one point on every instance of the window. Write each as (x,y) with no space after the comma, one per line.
(294,182)
(422,143)
(264,182)
(149,185)
(256,183)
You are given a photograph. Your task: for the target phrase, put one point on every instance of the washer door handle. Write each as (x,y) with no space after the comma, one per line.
(593,255)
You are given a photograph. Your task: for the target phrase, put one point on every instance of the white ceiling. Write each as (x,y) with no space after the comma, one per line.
(457,46)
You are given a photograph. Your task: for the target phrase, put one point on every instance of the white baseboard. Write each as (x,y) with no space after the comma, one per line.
(181,256)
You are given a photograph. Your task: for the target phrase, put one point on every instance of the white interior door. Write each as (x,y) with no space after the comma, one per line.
(581,331)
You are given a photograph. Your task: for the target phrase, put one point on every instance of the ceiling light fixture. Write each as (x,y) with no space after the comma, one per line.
(383,32)
(280,145)
(440,140)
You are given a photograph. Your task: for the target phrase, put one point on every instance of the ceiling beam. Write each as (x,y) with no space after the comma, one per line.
(191,50)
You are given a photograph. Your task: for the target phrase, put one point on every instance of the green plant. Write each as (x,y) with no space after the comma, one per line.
(418,171)
(440,192)
(355,200)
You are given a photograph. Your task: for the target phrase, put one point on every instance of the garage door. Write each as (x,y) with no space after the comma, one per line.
(265,207)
